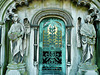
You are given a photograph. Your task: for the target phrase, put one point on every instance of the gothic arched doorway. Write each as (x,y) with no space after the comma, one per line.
(51,21)
(52,51)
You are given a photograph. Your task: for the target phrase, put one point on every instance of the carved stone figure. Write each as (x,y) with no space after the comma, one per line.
(16,34)
(88,35)
(27,33)
(78,26)
(27,26)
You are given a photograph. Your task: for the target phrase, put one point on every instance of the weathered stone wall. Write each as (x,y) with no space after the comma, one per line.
(29,11)
(75,11)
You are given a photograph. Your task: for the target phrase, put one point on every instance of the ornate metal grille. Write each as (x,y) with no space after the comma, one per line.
(52,57)
(51,46)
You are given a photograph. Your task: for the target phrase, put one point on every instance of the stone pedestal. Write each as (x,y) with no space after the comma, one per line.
(87,69)
(16,69)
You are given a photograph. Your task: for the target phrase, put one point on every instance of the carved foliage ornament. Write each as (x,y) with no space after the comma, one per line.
(13,7)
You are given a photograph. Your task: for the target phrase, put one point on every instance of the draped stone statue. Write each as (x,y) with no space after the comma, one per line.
(87,41)
(78,26)
(88,35)
(16,34)
(26,37)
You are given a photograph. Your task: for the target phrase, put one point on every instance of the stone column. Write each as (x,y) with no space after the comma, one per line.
(1,49)
(98,44)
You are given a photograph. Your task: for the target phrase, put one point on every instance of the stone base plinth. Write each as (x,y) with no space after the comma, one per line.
(87,69)
(16,69)
(91,72)
(87,72)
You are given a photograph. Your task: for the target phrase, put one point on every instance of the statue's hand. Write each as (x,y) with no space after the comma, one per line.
(19,35)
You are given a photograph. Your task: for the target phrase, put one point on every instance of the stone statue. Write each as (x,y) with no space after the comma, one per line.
(27,26)
(78,26)
(16,34)
(88,35)
(27,34)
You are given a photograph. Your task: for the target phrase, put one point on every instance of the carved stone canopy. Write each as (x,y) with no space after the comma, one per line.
(82,2)
(18,3)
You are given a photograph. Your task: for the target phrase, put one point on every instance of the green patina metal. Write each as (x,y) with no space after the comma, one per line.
(52,51)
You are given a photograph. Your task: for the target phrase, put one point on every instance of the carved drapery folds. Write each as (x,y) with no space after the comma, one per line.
(78,26)
(87,34)
(15,34)
(21,32)
(26,35)
(19,37)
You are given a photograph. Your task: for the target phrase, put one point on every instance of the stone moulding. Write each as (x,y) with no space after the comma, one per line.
(53,12)
(2,2)
(20,69)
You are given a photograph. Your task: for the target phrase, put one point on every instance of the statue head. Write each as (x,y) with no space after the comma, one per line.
(25,20)
(88,19)
(15,18)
